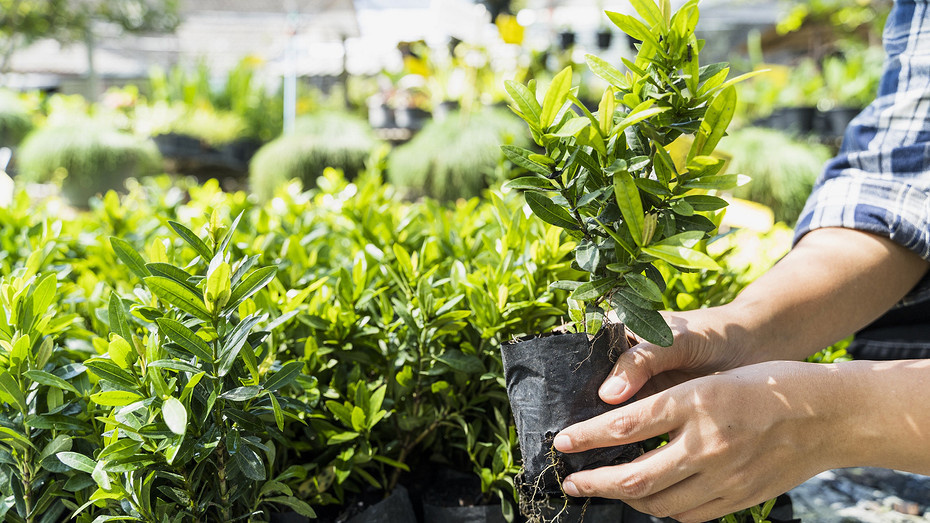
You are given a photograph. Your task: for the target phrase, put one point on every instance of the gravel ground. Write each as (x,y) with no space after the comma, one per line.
(863,494)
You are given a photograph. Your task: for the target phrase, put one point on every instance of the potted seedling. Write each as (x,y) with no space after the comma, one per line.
(607,179)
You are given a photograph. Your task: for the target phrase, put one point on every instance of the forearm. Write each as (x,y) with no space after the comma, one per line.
(834,282)
(873,413)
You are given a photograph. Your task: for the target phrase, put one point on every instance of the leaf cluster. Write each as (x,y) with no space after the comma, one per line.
(607,177)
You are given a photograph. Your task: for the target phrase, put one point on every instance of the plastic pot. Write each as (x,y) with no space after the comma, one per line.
(838,119)
(604,38)
(797,120)
(396,508)
(566,39)
(411,118)
(552,382)
(381,116)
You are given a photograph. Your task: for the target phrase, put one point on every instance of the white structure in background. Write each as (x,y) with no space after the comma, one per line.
(6,183)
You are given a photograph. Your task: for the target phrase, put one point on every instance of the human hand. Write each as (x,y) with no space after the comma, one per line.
(736,439)
(706,341)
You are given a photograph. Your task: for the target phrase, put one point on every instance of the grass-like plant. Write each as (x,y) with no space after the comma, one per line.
(92,158)
(15,123)
(782,168)
(457,157)
(340,140)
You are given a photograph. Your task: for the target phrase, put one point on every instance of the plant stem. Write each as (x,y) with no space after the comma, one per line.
(408,447)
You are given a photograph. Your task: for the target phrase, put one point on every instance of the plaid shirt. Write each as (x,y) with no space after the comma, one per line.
(880,180)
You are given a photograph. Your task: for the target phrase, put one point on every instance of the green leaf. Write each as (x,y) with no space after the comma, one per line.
(555,97)
(572,127)
(111,372)
(682,257)
(288,373)
(43,293)
(174,293)
(295,504)
(633,27)
(606,71)
(77,461)
(121,352)
(594,289)
(117,316)
(233,343)
(250,463)
(719,182)
(193,240)
(461,362)
(644,287)
(186,338)
(529,183)
(550,212)
(714,125)
(251,284)
(49,380)
(123,448)
(243,393)
(276,409)
(588,256)
(648,324)
(10,393)
(175,415)
(630,204)
(125,252)
(649,11)
(115,398)
(704,202)
(520,157)
(525,101)
(15,438)
(230,232)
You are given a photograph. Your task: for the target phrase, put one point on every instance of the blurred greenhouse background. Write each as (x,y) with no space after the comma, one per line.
(212,82)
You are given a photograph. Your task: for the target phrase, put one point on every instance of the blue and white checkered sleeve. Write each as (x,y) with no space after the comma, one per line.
(880,180)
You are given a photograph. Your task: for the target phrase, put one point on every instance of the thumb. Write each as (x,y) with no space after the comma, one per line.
(634,368)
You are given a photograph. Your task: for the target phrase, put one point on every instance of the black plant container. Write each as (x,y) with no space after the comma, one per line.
(552,382)
(412,118)
(396,508)
(566,39)
(604,38)
(795,120)
(838,119)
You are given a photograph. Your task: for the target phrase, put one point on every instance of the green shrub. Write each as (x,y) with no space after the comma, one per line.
(340,140)
(783,169)
(457,157)
(15,123)
(93,158)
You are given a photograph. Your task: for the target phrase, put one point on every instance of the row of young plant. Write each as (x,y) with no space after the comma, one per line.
(183,354)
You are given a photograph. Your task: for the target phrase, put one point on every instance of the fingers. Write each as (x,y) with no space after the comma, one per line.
(652,416)
(641,478)
(635,367)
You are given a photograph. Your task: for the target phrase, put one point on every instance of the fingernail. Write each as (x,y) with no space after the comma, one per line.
(562,443)
(613,386)
(569,488)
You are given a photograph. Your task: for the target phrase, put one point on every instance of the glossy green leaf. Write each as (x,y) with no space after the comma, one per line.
(175,415)
(186,338)
(251,284)
(49,380)
(714,125)
(521,157)
(572,127)
(529,183)
(630,204)
(77,461)
(174,293)
(704,202)
(11,393)
(644,287)
(242,393)
(682,257)
(111,372)
(115,398)
(525,100)
(555,97)
(550,212)
(119,323)
(128,255)
(648,324)
(592,290)
(288,373)
(606,71)
(193,240)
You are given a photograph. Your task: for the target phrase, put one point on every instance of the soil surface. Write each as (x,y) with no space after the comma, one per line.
(863,494)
